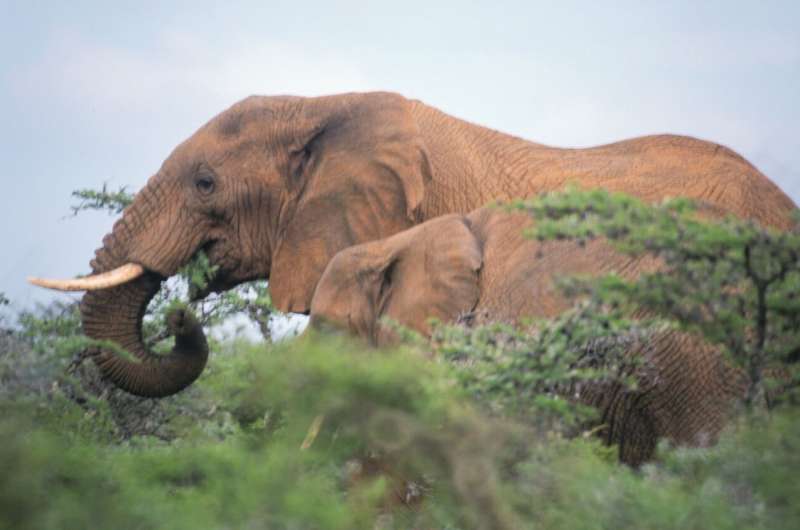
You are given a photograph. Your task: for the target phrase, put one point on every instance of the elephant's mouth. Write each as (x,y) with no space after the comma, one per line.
(224,270)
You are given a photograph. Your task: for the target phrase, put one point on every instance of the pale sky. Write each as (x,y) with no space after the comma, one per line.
(93,92)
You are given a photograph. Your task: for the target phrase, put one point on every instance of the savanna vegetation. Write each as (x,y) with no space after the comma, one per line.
(472,428)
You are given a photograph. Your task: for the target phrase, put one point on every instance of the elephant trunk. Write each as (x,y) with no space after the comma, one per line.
(116,314)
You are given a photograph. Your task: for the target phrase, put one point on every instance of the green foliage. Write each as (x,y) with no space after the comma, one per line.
(42,364)
(379,412)
(754,467)
(250,300)
(114,202)
(34,355)
(198,273)
(532,373)
(731,281)
(390,425)
(48,484)
(52,327)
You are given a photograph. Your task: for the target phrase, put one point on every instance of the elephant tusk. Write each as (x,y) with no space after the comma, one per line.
(112,278)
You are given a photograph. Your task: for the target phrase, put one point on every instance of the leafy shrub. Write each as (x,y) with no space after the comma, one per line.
(531,373)
(42,363)
(390,426)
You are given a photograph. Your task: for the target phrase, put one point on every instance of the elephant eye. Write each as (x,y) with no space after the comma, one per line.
(298,162)
(204,184)
(387,278)
(300,159)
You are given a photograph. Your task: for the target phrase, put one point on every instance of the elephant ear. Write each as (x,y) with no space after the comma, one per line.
(358,174)
(434,273)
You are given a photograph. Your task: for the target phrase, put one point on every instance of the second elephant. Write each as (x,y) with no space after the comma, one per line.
(481,265)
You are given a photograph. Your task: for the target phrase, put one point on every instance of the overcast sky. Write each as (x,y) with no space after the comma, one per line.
(92,93)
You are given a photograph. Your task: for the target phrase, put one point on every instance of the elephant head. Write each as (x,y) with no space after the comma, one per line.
(270,189)
(428,271)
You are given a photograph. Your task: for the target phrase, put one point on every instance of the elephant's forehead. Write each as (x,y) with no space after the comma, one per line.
(211,151)
(269,119)
(337,288)
(348,263)
(254,123)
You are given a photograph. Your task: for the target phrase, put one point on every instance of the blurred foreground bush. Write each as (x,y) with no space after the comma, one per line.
(325,435)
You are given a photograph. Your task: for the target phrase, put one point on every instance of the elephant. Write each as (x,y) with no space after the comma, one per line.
(479,268)
(273,187)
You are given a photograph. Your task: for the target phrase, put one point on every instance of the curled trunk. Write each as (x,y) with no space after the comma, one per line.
(116,315)
(150,375)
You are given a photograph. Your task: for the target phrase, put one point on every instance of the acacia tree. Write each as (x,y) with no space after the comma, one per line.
(733,282)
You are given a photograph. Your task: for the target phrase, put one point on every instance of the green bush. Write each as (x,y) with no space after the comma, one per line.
(391,426)
(529,373)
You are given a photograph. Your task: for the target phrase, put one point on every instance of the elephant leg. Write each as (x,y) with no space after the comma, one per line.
(625,421)
(635,434)
(686,394)
(693,389)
